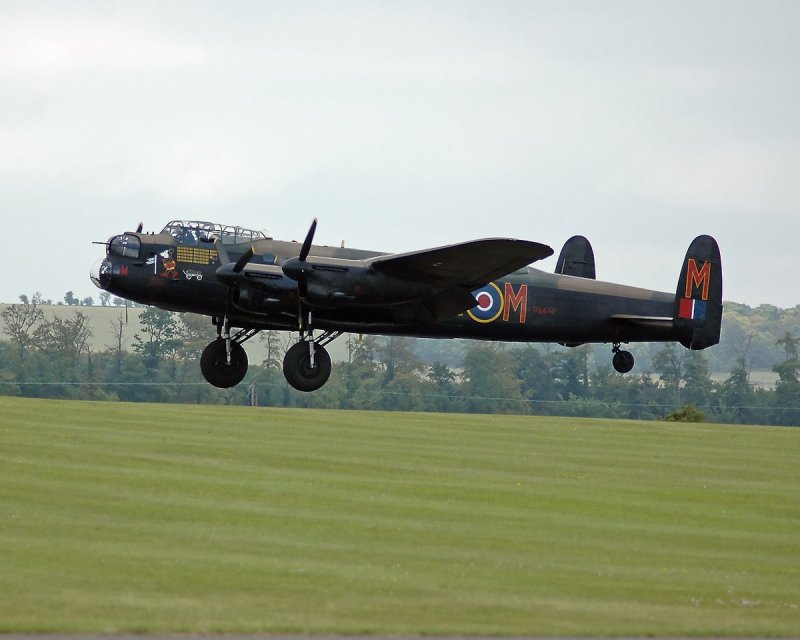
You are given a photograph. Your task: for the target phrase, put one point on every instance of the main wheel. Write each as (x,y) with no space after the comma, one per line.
(215,367)
(297,367)
(622,361)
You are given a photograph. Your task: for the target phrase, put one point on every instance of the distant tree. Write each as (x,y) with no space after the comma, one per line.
(443,382)
(118,325)
(790,344)
(787,388)
(442,376)
(88,302)
(533,368)
(406,392)
(736,395)
(395,356)
(787,402)
(668,364)
(570,369)
(362,354)
(70,299)
(21,322)
(104,298)
(275,349)
(489,380)
(195,332)
(64,339)
(697,379)
(24,299)
(159,339)
(788,369)
(8,387)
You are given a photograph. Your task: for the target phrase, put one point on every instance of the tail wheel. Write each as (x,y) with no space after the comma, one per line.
(299,372)
(215,367)
(623,361)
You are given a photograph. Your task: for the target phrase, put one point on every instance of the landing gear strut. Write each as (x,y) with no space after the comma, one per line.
(224,361)
(306,365)
(623,360)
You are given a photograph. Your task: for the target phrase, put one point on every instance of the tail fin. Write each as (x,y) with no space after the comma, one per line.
(576,258)
(698,302)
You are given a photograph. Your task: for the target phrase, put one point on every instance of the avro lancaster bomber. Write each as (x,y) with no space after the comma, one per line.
(485,289)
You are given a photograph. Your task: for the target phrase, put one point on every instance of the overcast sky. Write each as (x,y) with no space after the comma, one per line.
(404,125)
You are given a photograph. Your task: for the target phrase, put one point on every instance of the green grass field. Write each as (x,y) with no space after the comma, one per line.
(162,518)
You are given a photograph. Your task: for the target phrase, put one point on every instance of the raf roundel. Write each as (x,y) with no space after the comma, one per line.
(490,304)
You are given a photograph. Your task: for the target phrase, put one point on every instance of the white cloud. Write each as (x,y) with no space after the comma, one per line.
(37,46)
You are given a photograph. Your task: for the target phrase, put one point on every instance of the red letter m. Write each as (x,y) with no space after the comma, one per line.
(697,278)
(519,301)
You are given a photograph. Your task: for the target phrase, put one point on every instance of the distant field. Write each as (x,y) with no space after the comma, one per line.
(154,518)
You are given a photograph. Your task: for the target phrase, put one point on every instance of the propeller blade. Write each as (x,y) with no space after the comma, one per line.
(298,269)
(307,242)
(222,252)
(241,263)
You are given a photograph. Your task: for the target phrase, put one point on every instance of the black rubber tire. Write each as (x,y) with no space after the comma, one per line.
(623,361)
(215,367)
(297,369)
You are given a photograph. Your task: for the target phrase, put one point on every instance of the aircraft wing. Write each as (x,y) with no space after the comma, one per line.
(452,272)
(467,265)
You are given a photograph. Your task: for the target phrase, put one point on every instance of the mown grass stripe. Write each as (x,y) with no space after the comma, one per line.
(144,518)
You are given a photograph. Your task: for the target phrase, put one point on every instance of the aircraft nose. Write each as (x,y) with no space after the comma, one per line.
(100,273)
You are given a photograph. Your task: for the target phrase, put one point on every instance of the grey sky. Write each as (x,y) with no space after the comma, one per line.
(403,125)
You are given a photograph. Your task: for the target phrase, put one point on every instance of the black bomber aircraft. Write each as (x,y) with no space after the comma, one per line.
(483,289)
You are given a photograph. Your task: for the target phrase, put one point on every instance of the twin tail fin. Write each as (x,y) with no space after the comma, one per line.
(697,314)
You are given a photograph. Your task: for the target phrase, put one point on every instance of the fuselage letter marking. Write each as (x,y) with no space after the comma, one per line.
(518,301)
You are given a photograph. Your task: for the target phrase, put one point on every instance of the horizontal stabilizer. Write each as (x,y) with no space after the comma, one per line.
(640,319)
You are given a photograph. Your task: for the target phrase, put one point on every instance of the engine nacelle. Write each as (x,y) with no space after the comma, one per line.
(261,297)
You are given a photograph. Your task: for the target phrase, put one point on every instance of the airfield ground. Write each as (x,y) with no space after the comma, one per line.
(124,518)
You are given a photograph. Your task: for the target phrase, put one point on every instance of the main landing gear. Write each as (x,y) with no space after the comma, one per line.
(622,360)
(306,365)
(224,361)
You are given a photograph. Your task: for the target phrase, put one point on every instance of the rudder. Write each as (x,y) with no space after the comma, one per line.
(698,301)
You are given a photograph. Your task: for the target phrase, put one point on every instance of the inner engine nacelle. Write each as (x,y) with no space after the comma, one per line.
(271,297)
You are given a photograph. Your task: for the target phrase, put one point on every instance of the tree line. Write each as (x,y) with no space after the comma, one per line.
(50,357)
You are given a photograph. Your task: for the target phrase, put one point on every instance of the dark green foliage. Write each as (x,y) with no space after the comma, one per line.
(689,413)
(489,382)
(159,339)
(49,357)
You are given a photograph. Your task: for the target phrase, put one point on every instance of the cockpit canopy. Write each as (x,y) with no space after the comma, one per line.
(196,231)
(126,245)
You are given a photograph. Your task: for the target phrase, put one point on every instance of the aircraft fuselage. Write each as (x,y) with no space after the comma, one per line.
(528,305)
